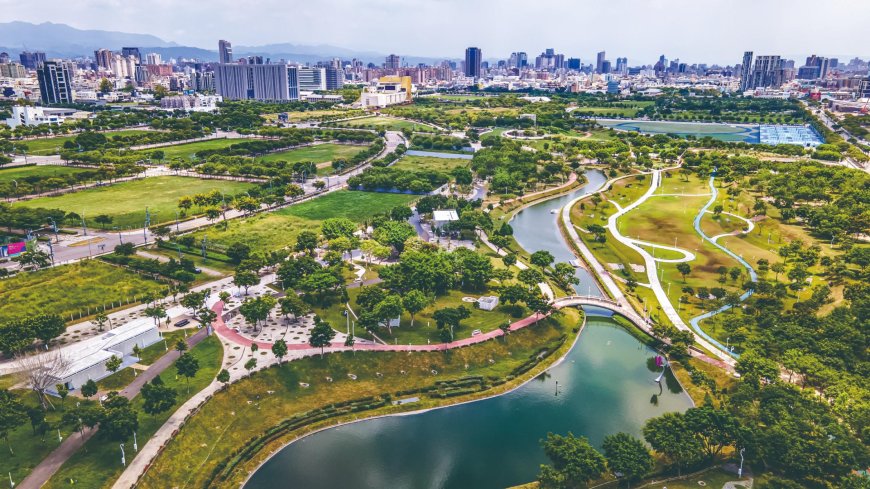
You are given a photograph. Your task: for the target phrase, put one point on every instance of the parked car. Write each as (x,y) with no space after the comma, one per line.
(475,332)
(183,322)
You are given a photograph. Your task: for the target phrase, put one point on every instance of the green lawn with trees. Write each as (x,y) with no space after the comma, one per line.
(51,145)
(318,153)
(124,203)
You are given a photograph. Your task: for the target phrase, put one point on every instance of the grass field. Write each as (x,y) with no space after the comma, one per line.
(444,165)
(185,463)
(186,151)
(310,115)
(70,289)
(49,146)
(386,123)
(274,230)
(97,465)
(322,154)
(21,173)
(125,202)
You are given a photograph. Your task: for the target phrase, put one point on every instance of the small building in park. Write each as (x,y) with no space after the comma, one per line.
(443,217)
(487,302)
(86,360)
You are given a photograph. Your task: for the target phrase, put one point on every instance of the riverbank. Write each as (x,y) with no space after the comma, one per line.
(262,402)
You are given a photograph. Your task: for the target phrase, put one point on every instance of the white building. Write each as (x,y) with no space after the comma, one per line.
(34,116)
(442,217)
(487,302)
(88,357)
(192,103)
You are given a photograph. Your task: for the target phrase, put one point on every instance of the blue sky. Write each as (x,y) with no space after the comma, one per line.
(714,31)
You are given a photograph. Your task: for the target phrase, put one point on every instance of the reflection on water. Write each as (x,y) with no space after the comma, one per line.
(604,386)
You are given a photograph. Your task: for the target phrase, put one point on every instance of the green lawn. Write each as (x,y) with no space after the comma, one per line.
(322,154)
(151,353)
(386,123)
(125,202)
(186,151)
(444,165)
(22,173)
(275,230)
(49,146)
(97,466)
(71,289)
(273,395)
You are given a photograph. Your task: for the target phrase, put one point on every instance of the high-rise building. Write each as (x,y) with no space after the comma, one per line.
(55,83)
(816,67)
(599,63)
(103,57)
(273,82)
(4,57)
(574,64)
(472,62)
(225,52)
(32,60)
(392,62)
(746,71)
(622,65)
(134,52)
(153,59)
(864,88)
(311,79)
(334,78)
(766,72)
(12,70)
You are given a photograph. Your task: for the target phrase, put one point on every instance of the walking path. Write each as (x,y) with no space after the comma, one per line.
(49,465)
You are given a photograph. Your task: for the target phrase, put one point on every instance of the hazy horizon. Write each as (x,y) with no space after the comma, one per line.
(712,31)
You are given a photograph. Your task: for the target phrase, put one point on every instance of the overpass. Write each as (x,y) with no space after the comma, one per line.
(623,309)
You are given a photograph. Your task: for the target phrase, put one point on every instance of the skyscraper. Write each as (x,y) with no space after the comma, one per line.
(259,82)
(55,83)
(225,52)
(766,72)
(392,62)
(599,65)
(103,57)
(622,65)
(134,52)
(472,62)
(32,60)
(746,71)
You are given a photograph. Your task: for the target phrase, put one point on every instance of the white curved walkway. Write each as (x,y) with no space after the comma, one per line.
(687,255)
(749,227)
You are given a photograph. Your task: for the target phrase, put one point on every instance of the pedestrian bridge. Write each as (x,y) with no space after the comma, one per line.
(623,309)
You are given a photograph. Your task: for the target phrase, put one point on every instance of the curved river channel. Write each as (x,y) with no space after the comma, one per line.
(605,385)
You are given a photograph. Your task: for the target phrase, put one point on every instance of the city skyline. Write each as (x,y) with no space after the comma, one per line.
(583,30)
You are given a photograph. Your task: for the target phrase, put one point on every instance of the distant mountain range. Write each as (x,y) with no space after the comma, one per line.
(63,41)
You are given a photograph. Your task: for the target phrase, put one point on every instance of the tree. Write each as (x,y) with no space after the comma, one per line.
(118,420)
(46,327)
(246,279)
(187,366)
(101,320)
(237,252)
(12,415)
(509,260)
(62,392)
(627,455)
(279,349)
(415,301)
(777,268)
(292,304)
(388,309)
(685,269)
(223,376)
(105,85)
(542,258)
(394,233)
(306,241)
(530,277)
(89,388)
(401,213)
(194,300)
(246,204)
(113,364)
(157,397)
(34,258)
(205,317)
(155,312)
(292,190)
(716,428)
(321,336)
(181,345)
(337,227)
(670,435)
(574,462)
(251,364)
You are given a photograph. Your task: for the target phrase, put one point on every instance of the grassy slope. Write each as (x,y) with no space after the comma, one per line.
(186,463)
(319,153)
(20,173)
(126,201)
(185,151)
(410,162)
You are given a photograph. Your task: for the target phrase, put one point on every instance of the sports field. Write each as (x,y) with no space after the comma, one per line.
(126,202)
(724,132)
(275,230)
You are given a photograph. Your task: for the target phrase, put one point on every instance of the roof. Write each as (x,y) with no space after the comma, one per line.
(445,215)
(98,349)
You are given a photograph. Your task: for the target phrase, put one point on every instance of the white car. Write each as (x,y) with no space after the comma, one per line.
(475,332)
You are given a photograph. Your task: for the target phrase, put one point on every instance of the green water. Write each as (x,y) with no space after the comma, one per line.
(606,385)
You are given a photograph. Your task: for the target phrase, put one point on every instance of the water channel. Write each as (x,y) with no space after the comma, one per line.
(603,386)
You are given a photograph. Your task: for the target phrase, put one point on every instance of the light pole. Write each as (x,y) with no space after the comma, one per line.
(740,470)
(123,456)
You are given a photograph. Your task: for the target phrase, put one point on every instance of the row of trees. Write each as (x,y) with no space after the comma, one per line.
(19,335)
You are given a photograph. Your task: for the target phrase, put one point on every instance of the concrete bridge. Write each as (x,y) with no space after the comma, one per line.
(623,309)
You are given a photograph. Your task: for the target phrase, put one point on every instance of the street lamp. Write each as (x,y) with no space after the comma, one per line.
(123,456)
